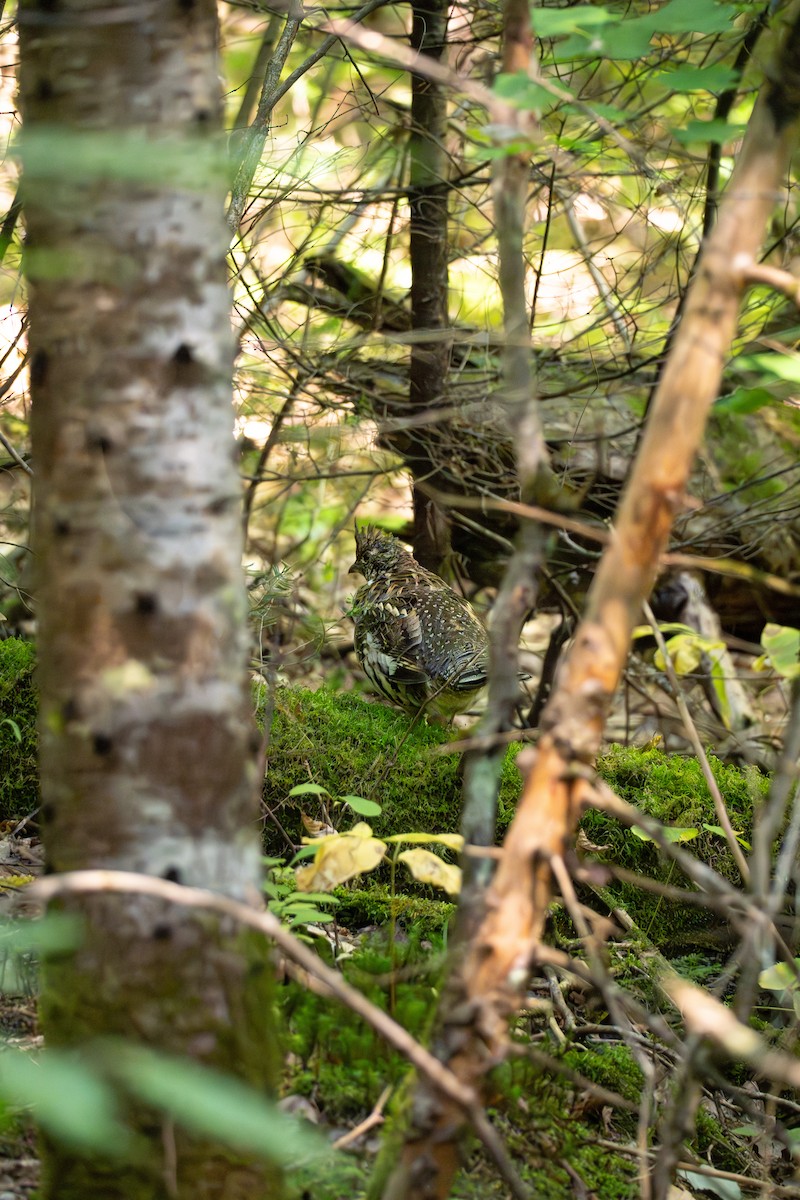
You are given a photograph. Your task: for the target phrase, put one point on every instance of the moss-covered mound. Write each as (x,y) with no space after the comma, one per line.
(19,782)
(674,791)
(350,747)
(355,748)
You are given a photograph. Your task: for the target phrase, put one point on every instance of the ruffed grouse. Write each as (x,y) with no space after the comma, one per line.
(419,643)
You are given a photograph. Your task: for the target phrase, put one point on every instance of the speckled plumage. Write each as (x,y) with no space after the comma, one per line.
(420,644)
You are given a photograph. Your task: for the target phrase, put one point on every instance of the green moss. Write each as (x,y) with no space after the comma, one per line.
(19,786)
(362,906)
(355,748)
(610,1066)
(673,790)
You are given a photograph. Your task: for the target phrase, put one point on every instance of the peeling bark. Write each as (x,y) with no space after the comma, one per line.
(558,776)
(147,748)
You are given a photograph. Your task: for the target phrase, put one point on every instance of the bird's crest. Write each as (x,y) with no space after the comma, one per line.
(376,551)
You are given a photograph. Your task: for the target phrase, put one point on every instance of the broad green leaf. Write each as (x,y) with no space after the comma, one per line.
(689,16)
(309,789)
(620,42)
(427,867)
(308,850)
(744,400)
(708,131)
(720,832)
(782,644)
(297,915)
(552,22)
(520,89)
(53,933)
(454,841)
(316,898)
(686,78)
(671,833)
(67,1098)
(364,808)
(214,1105)
(782,366)
(779,977)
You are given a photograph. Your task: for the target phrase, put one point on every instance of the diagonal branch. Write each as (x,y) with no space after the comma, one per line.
(491,978)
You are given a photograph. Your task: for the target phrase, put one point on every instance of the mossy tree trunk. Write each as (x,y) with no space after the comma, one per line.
(147,753)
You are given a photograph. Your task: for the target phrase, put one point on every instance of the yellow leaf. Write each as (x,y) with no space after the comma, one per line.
(453,841)
(429,868)
(15,881)
(340,857)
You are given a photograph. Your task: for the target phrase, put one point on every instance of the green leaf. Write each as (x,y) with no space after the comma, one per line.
(720,832)
(13,726)
(520,89)
(307,851)
(364,808)
(708,131)
(552,22)
(309,789)
(782,644)
(316,898)
(744,400)
(67,1098)
(214,1105)
(782,366)
(671,833)
(686,78)
(689,16)
(55,933)
(297,915)
(619,42)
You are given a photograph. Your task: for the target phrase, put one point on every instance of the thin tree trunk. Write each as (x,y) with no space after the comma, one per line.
(492,977)
(423,1160)
(428,192)
(147,750)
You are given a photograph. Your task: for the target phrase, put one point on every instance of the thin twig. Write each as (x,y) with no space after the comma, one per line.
(374,1118)
(694,737)
(256,136)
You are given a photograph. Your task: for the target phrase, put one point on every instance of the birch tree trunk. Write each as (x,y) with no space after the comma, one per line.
(147,746)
